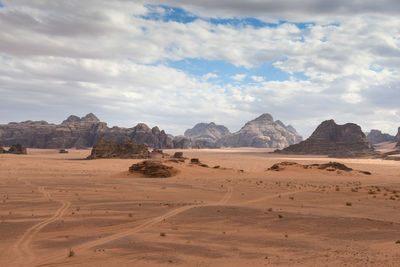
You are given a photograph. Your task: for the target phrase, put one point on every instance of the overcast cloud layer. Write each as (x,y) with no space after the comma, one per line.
(128,62)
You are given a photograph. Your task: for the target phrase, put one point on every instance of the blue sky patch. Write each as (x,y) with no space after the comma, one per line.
(1,5)
(168,13)
(226,71)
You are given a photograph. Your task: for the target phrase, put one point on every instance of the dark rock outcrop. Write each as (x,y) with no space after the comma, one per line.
(17,149)
(152,169)
(398,138)
(376,137)
(182,142)
(262,132)
(125,150)
(79,133)
(2,150)
(332,139)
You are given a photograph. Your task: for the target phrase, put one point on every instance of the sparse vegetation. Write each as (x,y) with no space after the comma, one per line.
(163,234)
(71,253)
(349,204)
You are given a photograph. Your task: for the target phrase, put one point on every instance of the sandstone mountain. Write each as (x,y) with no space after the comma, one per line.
(332,139)
(262,132)
(79,133)
(376,137)
(206,134)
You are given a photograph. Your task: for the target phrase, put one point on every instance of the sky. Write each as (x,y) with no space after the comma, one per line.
(177,63)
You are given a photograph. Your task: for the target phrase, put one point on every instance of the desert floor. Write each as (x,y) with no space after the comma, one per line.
(62,210)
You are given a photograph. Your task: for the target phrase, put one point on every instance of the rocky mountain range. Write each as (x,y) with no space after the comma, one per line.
(262,132)
(86,131)
(376,137)
(332,139)
(79,133)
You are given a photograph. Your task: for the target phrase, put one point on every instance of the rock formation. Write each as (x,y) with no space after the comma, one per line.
(2,150)
(17,149)
(152,169)
(376,137)
(79,133)
(182,142)
(206,134)
(398,138)
(125,150)
(332,139)
(262,132)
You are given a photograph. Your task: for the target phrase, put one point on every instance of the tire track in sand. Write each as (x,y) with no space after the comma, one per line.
(22,247)
(101,241)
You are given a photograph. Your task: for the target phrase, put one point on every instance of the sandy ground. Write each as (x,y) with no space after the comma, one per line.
(62,210)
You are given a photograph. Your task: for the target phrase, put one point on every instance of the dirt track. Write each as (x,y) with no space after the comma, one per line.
(52,203)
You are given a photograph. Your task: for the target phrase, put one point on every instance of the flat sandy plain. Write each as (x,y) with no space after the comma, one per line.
(53,203)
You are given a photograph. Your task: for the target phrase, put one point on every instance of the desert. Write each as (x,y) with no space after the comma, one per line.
(63,210)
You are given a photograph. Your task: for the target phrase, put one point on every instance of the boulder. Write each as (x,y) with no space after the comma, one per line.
(151,169)
(2,150)
(127,149)
(332,139)
(17,149)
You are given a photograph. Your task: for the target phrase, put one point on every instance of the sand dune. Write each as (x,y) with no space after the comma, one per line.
(62,210)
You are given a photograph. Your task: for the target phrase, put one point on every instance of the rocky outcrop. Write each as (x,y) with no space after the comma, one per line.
(125,150)
(397,137)
(262,132)
(376,137)
(182,142)
(151,169)
(332,139)
(17,149)
(2,150)
(79,133)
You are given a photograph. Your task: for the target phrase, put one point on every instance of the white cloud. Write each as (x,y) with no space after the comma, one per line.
(258,79)
(239,77)
(209,76)
(100,56)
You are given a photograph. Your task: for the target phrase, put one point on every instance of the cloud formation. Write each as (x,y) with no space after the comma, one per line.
(342,61)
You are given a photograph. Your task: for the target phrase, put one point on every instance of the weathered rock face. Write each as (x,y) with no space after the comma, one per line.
(182,142)
(2,150)
(332,139)
(79,133)
(262,132)
(125,150)
(152,169)
(376,137)
(398,138)
(207,132)
(17,149)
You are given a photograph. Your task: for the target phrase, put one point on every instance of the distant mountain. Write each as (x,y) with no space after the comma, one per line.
(84,132)
(332,139)
(398,138)
(376,137)
(263,132)
(206,134)
(79,133)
